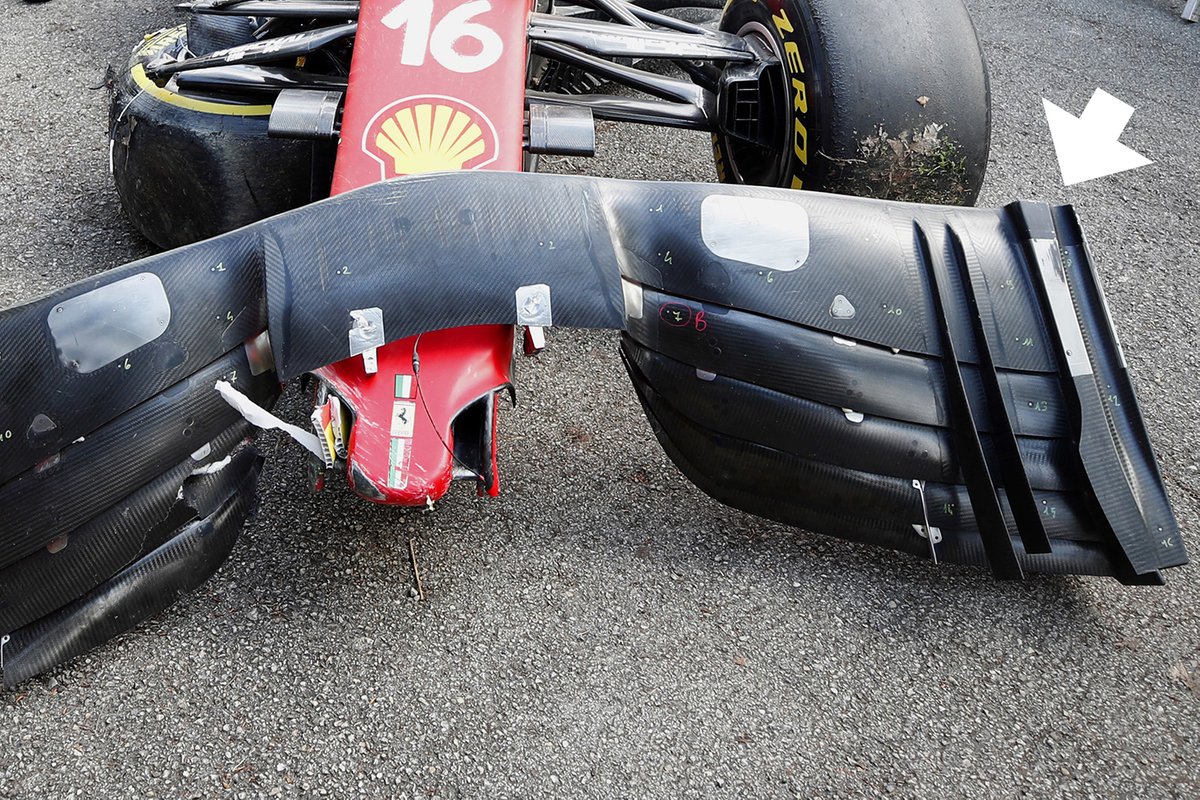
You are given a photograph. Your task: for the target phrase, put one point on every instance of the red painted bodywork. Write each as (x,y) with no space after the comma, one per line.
(456,367)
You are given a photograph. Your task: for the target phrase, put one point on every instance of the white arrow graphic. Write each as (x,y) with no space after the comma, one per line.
(1087,146)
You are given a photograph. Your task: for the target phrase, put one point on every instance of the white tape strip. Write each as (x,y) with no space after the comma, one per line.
(259,416)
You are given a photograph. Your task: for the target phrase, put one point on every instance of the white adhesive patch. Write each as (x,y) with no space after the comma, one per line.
(258,416)
(96,328)
(633,299)
(772,234)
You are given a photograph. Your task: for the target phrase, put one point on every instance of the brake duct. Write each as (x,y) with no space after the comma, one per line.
(942,381)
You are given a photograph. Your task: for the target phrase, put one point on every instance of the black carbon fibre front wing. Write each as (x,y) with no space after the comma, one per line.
(942,381)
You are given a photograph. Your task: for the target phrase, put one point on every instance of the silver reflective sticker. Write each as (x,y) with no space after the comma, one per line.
(772,234)
(366,330)
(108,323)
(258,353)
(1062,306)
(533,305)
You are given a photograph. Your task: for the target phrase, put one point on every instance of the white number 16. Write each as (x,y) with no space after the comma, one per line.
(416,16)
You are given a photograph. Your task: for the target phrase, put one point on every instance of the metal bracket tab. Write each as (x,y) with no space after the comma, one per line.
(366,334)
(927,531)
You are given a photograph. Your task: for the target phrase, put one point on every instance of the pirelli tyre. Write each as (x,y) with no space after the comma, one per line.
(188,166)
(872,98)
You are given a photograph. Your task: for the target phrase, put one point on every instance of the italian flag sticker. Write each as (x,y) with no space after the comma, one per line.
(404,387)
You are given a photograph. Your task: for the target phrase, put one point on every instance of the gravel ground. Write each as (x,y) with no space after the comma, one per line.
(603,629)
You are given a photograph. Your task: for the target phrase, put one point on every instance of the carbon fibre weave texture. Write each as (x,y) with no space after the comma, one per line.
(860,249)
(765,480)
(141,590)
(216,295)
(483,235)
(829,434)
(977,310)
(841,372)
(843,484)
(449,250)
(101,547)
(89,476)
(1125,433)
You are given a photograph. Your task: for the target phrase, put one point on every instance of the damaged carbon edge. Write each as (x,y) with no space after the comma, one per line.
(88,477)
(141,590)
(45,581)
(216,296)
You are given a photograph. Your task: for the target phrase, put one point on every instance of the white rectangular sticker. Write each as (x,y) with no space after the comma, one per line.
(404,414)
(767,233)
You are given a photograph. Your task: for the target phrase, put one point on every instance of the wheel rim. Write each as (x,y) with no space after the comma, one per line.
(750,163)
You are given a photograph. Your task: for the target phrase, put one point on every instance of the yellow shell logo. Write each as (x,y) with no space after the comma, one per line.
(429,134)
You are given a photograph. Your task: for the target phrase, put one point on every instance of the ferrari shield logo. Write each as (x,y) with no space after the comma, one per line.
(429,133)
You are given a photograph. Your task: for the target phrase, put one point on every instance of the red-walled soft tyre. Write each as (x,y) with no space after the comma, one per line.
(874,98)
